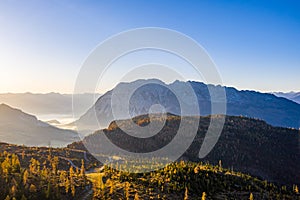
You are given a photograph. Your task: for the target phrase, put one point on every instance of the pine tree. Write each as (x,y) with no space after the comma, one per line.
(54,164)
(13,190)
(251,196)
(186,196)
(50,154)
(136,196)
(67,185)
(15,163)
(72,183)
(111,186)
(73,190)
(82,169)
(25,177)
(44,173)
(34,166)
(23,155)
(32,188)
(203,196)
(6,166)
(62,177)
(71,173)
(127,190)
(296,189)
(23,197)
(100,183)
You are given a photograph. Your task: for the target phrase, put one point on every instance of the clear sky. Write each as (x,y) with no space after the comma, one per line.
(255,44)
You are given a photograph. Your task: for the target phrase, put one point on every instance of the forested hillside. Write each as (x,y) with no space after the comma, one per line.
(39,180)
(247,145)
(47,173)
(186,180)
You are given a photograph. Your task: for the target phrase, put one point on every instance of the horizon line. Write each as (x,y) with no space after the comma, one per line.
(101,93)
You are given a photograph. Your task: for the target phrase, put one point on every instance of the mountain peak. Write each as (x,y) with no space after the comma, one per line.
(5,107)
(274,110)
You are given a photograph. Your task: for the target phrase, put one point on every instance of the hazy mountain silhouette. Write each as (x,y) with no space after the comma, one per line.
(17,127)
(274,110)
(294,96)
(50,103)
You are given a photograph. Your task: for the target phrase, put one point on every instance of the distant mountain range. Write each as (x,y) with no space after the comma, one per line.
(17,127)
(274,110)
(294,96)
(50,103)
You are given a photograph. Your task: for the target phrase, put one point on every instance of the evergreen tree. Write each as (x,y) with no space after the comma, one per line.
(111,186)
(73,190)
(54,164)
(127,190)
(34,166)
(6,166)
(251,196)
(15,164)
(186,196)
(13,190)
(100,183)
(25,177)
(71,173)
(62,177)
(296,189)
(44,173)
(136,196)
(203,196)
(67,185)
(23,197)
(23,155)
(82,169)
(32,188)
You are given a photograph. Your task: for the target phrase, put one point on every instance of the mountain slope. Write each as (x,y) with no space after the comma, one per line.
(294,96)
(274,110)
(186,180)
(247,145)
(17,127)
(174,181)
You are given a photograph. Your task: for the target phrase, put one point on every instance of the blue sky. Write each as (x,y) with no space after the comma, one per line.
(255,44)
